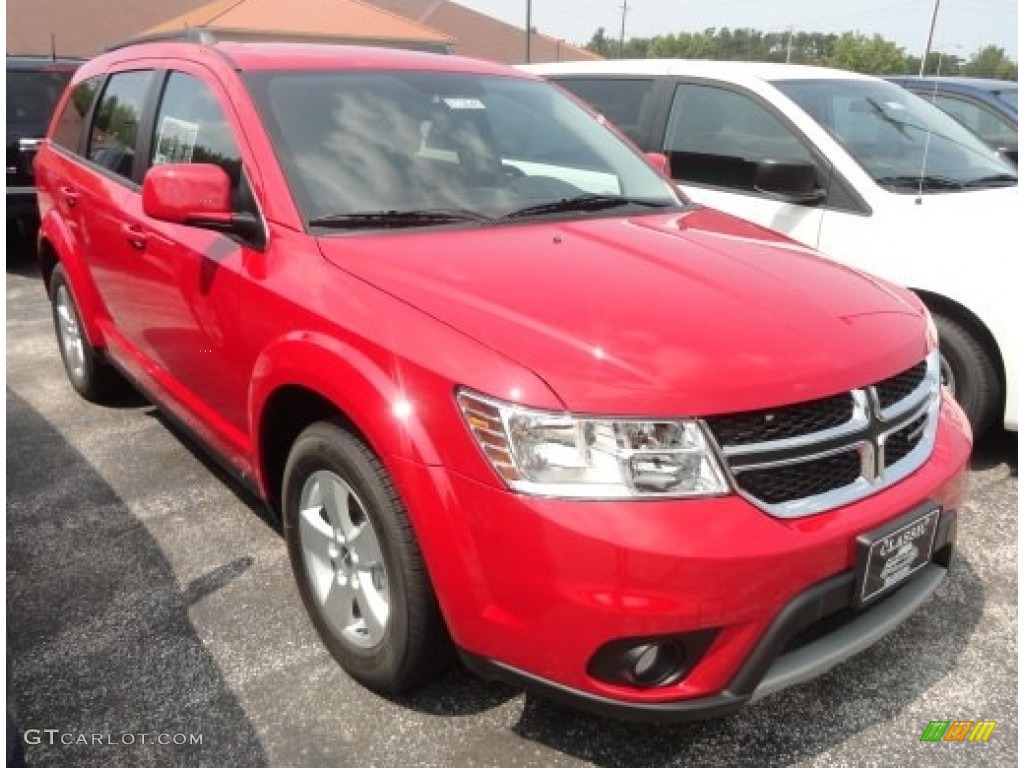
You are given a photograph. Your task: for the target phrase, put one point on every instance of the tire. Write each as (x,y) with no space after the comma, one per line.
(970,374)
(88,373)
(357,564)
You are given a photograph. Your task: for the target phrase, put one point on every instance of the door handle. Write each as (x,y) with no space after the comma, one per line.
(71,196)
(136,236)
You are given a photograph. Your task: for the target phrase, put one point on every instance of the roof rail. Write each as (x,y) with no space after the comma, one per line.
(197,35)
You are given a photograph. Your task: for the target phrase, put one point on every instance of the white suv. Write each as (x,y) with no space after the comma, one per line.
(869,174)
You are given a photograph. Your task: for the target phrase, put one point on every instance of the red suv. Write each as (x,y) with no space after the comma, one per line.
(509,392)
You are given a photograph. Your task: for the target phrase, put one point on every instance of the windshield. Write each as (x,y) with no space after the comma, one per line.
(397,149)
(901,140)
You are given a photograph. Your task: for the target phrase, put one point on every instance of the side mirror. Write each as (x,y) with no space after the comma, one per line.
(658,161)
(197,195)
(185,193)
(791,181)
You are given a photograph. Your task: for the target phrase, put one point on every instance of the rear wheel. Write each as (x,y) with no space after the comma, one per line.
(88,373)
(969,373)
(357,563)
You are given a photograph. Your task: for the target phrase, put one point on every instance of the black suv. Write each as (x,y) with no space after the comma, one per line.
(34,85)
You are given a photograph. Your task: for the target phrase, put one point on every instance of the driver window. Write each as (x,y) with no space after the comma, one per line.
(192,128)
(717,136)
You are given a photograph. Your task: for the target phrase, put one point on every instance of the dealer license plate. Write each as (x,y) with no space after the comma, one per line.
(890,555)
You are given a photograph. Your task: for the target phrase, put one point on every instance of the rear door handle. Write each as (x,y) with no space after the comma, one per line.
(135,235)
(71,196)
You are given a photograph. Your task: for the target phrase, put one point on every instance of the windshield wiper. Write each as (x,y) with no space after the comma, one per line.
(397,219)
(995,180)
(925,182)
(902,125)
(584,203)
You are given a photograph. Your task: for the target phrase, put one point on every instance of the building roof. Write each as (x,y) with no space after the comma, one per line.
(350,21)
(482,36)
(91,25)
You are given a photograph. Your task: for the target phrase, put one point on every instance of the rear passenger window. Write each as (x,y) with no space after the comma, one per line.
(192,128)
(716,136)
(115,127)
(70,126)
(626,102)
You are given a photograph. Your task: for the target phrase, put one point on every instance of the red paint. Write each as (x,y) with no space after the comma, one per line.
(693,314)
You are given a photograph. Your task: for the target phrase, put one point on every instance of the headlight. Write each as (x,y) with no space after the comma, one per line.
(556,454)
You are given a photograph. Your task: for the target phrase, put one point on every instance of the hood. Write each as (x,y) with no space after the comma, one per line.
(685,314)
(996,207)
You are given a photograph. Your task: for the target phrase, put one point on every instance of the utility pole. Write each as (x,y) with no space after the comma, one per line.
(622,30)
(529,23)
(789,45)
(928,45)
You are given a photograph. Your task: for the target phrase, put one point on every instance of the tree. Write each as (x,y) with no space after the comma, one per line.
(600,44)
(851,50)
(991,61)
(872,55)
(938,64)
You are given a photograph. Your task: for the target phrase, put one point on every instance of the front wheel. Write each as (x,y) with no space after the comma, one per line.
(969,373)
(357,563)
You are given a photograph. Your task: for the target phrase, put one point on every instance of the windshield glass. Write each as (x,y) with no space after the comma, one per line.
(901,140)
(367,149)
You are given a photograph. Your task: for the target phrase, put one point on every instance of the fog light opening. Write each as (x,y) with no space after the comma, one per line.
(655,664)
(649,662)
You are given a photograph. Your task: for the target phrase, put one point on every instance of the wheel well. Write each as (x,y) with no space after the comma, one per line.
(285,415)
(47,262)
(948,308)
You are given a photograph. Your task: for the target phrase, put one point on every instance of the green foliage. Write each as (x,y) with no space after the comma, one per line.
(601,44)
(991,61)
(850,50)
(872,55)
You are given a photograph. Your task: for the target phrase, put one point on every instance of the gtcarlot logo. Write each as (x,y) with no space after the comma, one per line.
(55,736)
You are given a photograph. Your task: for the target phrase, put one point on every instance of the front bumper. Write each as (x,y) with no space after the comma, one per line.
(771,666)
(532,588)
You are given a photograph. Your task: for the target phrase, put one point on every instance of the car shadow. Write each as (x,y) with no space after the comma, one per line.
(97,624)
(21,245)
(202,454)
(795,724)
(995,447)
(457,693)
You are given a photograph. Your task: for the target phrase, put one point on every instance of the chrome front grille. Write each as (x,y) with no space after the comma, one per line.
(809,457)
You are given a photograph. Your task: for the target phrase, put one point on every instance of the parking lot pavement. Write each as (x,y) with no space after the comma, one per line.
(147,594)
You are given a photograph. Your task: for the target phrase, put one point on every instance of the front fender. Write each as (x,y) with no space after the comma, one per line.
(360,385)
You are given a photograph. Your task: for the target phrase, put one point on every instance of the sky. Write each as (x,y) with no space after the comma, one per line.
(962,26)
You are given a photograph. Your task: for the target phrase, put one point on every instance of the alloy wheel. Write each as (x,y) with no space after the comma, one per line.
(70,333)
(343,560)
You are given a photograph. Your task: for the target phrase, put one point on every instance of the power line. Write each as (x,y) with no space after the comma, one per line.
(622,32)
